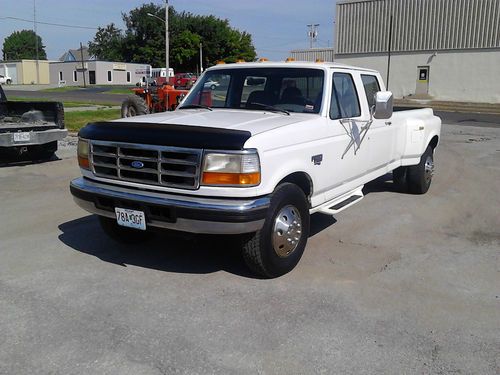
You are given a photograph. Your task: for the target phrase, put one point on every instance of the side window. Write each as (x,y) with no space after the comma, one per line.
(345,101)
(254,91)
(371,88)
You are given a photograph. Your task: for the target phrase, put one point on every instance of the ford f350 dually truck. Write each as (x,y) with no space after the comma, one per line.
(30,128)
(255,156)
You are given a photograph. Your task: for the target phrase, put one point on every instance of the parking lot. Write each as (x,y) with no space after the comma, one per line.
(397,284)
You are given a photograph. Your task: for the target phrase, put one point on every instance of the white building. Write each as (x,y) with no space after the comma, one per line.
(444,49)
(70,73)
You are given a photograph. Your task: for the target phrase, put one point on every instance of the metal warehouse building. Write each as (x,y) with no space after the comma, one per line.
(24,72)
(444,49)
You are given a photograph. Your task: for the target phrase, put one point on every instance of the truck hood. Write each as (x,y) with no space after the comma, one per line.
(252,121)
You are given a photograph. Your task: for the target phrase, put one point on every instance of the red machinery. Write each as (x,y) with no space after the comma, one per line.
(152,99)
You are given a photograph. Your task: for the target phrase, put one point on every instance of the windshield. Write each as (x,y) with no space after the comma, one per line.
(290,89)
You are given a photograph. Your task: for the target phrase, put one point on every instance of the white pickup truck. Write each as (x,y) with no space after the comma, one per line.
(255,155)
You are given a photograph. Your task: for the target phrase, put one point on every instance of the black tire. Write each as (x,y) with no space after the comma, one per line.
(122,234)
(9,81)
(419,177)
(259,252)
(399,177)
(134,105)
(45,151)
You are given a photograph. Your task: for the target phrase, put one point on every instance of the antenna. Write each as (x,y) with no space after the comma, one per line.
(312,34)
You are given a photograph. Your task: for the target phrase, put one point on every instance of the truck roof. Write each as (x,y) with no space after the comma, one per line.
(291,64)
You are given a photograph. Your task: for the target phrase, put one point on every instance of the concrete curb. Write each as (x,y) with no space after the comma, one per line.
(462,107)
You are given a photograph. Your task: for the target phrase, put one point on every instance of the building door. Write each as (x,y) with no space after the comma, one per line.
(422,81)
(11,71)
(92,77)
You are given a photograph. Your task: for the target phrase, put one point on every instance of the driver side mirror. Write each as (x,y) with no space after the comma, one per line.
(384,105)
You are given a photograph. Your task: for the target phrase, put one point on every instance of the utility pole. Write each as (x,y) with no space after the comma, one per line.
(389,50)
(36,43)
(312,33)
(201,58)
(83,65)
(167,47)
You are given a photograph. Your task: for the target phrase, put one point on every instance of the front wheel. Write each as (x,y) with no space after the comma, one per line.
(419,176)
(9,81)
(277,248)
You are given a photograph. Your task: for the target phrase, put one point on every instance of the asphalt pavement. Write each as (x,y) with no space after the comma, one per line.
(397,284)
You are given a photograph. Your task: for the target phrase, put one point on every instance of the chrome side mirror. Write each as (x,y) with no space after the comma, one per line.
(384,104)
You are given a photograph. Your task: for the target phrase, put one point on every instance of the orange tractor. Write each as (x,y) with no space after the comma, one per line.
(152,99)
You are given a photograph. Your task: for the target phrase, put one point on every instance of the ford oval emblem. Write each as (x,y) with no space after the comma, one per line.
(137,164)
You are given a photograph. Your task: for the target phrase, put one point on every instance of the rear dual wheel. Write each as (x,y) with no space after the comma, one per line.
(417,178)
(277,248)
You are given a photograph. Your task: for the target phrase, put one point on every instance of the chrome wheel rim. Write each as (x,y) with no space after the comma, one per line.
(287,231)
(428,169)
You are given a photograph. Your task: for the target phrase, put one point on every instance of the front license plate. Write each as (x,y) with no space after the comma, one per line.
(22,137)
(130,218)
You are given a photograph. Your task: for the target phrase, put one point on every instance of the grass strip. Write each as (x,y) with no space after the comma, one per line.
(78,119)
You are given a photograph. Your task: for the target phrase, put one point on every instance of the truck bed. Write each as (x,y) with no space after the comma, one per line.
(30,116)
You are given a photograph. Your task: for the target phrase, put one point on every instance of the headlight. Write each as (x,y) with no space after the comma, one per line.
(83,154)
(231,169)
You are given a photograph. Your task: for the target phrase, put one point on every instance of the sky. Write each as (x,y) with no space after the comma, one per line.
(277,26)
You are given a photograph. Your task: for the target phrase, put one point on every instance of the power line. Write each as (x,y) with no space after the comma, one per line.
(51,24)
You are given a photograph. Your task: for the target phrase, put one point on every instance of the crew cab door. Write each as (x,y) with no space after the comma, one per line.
(349,157)
(382,133)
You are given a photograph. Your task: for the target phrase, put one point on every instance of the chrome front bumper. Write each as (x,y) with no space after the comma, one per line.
(36,138)
(177,212)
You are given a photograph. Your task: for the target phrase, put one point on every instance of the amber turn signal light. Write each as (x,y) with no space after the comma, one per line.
(83,163)
(234,179)
(83,153)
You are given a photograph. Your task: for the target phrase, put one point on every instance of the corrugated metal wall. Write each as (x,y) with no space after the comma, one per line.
(418,25)
(325,54)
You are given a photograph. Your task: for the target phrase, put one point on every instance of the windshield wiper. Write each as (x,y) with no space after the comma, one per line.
(190,106)
(270,108)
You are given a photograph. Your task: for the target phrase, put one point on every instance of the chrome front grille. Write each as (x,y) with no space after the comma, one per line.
(153,165)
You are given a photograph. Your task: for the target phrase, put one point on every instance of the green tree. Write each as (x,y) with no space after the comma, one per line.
(107,44)
(22,45)
(143,40)
(145,35)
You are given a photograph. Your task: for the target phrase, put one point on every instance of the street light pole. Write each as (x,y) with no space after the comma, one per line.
(167,42)
(167,47)
(201,58)
(36,44)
